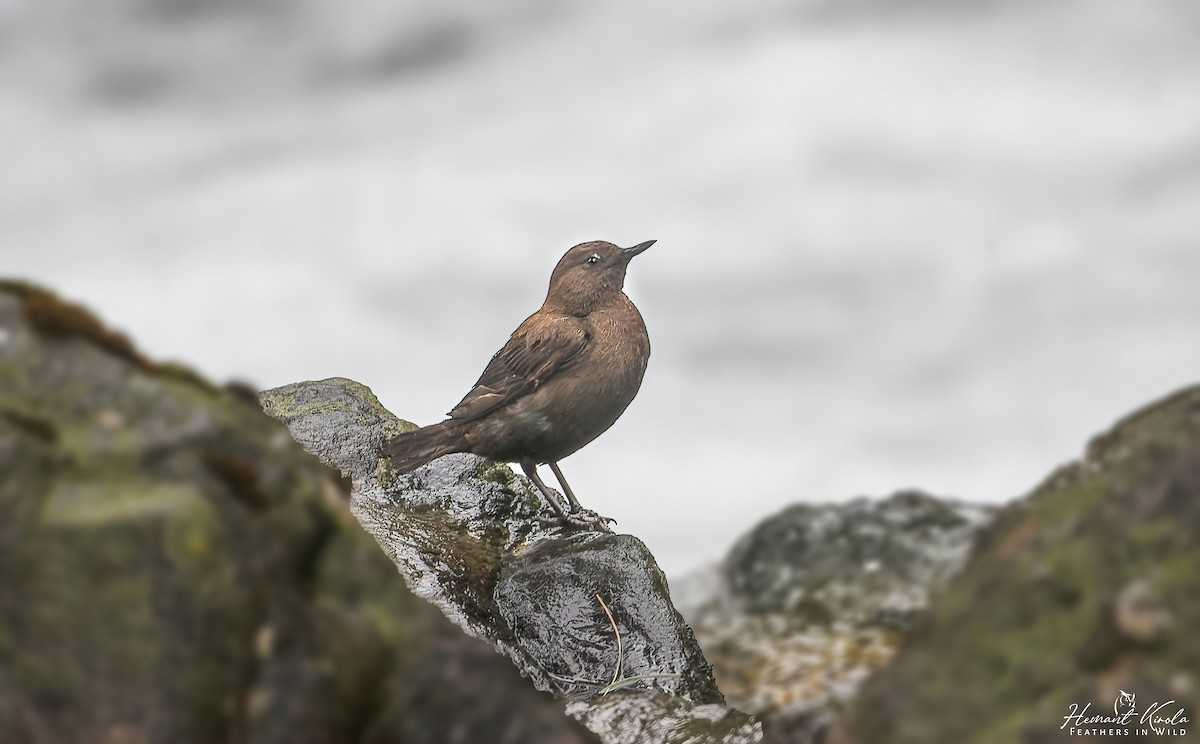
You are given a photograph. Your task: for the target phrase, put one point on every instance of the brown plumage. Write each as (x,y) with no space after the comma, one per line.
(565,376)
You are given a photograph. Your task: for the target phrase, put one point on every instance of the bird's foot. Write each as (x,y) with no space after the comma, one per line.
(582,519)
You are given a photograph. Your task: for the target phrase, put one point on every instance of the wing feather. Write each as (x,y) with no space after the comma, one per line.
(536,352)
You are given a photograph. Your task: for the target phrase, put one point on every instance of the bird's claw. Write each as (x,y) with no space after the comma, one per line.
(583,519)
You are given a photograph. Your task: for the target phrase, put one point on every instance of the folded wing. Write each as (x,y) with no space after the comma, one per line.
(534,354)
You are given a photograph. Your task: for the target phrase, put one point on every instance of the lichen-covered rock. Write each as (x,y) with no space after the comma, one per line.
(648,717)
(174,568)
(815,598)
(465,534)
(1086,588)
(863,562)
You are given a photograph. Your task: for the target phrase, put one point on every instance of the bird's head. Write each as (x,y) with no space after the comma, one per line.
(589,275)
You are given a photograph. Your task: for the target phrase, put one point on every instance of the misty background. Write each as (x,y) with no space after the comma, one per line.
(902,243)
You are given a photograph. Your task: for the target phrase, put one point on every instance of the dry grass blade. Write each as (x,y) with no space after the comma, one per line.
(617,671)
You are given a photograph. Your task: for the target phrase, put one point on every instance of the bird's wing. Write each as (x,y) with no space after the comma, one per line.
(535,353)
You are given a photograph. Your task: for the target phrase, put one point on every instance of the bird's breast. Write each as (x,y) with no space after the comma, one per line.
(578,404)
(599,389)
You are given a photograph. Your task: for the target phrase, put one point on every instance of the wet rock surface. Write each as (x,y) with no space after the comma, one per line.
(1086,587)
(555,590)
(174,568)
(817,597)
(465,534)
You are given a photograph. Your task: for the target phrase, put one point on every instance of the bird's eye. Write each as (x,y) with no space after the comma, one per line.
(594,258)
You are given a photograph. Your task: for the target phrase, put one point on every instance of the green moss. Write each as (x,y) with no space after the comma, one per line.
(181,373)
(153,526)
(1027,627)
(240,476)
(354,572)
(56,318)
(471,562)
(92,502)
(40,428)
(92,613)
(495,472)
(193,537)
(244,393)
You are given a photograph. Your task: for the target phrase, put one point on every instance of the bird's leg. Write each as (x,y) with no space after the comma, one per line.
(580,516)
(566,488)
(530,468)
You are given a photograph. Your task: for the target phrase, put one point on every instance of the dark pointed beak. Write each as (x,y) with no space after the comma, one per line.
(631,252)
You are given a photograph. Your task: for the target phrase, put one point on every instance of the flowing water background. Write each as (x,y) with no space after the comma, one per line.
(901,244)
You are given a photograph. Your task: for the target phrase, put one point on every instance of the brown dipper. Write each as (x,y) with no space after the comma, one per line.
(566,374)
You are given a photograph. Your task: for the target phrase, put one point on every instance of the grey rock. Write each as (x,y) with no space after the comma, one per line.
(554,591)
(814,599)
(465,534)
(657,718)
(863,562)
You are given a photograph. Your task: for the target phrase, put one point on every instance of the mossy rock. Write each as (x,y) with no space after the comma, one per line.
(175,568)
(1087,587)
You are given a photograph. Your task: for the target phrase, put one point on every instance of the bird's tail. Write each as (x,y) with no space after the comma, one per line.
(409,451)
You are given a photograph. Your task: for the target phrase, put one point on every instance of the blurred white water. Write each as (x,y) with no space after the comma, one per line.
(933,244)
